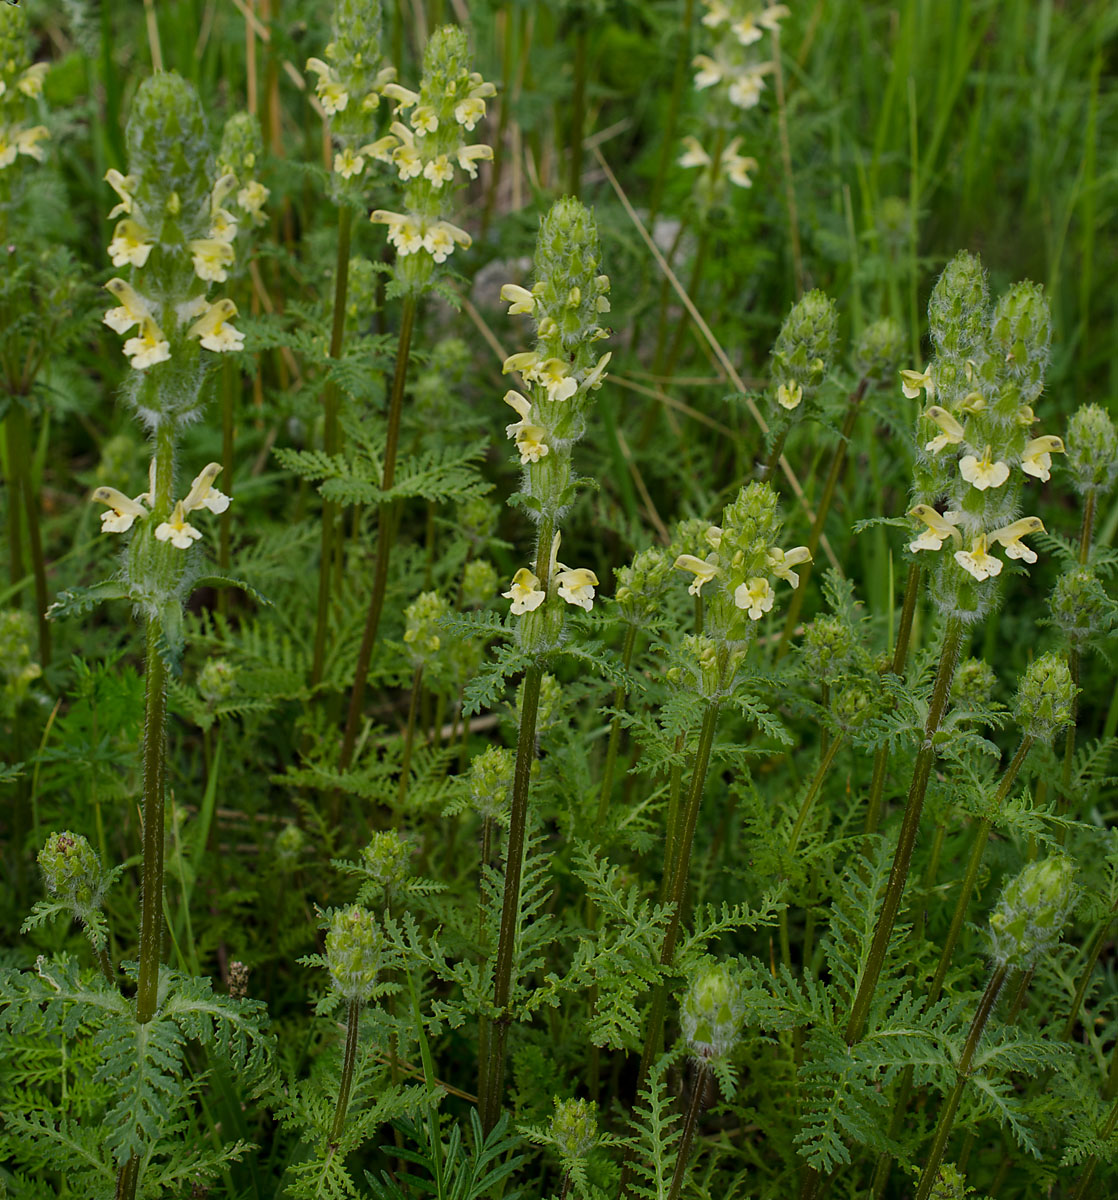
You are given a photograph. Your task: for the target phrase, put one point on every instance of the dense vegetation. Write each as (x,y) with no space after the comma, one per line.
(559,627)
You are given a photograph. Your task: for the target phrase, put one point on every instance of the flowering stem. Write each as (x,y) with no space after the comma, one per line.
(947,1117)
(385,533)
(1085,530)
(226,524)
(678,872)
(768,471)
(409,737)
(151,908)
(330,443)
(349,1061)
(900,654)
(698,1088)
(615,730)
(490,1088)
(837,464)
(902,859)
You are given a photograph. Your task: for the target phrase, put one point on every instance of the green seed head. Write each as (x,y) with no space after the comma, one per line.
(1092,448)
(1032,912)
(807,340)
(1081,607)
(574,1128)
(1046,698)
(72,872)
(957,313)
(354,948)
(712,1012)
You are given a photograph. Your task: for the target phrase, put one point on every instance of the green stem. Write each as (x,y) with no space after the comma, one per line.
(385,533)
(947,1116)
(786,165)
(679,872)
(813,791)
(1086,529)
(330,444)
(615,731)
(15,497)
(900,653)
(349,1062)
(698,1088)
(902,859)
(151,909)
(225,528)
(768,471)
(1085,978)
(578,112)
(1069,741)
(1081,1191)
(838,461)
(128,1178)
(409,738)
(668,146)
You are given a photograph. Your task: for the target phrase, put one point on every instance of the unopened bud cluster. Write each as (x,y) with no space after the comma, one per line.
(878,352)
(803,350)
(216,680)
(973,684)
(1045,698)
(354,949)
(386,860)
(826,649)
(736,67)
(976,437)
(241,153)
(427,146)
(72,872)
(574,1129)
(741,564)
(489,783)
(560,377)
(1032,912)
(640,584)
(1092,448)
(422,626)
(21,86)
(17,668)
(712,1012)
(1080,606)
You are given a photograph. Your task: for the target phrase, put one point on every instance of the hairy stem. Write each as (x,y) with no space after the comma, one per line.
(615,731)
(349,1062)
(385,533)
(698,1088)
(409,738)
(151,909)
(330,444)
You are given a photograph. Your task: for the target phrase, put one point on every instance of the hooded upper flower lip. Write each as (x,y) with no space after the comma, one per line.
(704,570)
(938,531)
(525,592)
(121,510)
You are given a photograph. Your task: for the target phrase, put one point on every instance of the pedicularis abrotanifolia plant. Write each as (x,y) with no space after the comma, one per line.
(727,814)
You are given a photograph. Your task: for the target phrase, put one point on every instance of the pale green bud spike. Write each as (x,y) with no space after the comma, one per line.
(1046,698)
(574,1128)
(387,859)
(15,44)
(1032,912)
(422,621)
(806,343)
(1019,337)
(242,147)
(568,281)
(712,1012)
(1092,449)
(879,352)
(289,845)
(640,585)
(446,62)
(72,872)
(355,50)
(958,311)
(490,781)
(974,683)
(853,706)
(354,948)
(750,525)
(479,583)
(1081,607)
(216,680)
(826,648)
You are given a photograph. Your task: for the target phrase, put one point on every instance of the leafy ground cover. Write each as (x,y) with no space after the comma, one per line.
(558,630)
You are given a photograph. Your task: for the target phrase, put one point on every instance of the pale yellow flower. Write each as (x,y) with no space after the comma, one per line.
(756,596)
(121,511)
(716,13)
(124,186)
(577,586)
(1010,537)
(693,155)
(529,437)
(439,241)
(913,381)
(348,164)
(404,97)
(404,232)
(977,561)
(709,72)
(382,148)
(214,330)
(438,171)
(736,167)
(424,120)
(552,374)
(212,257)
(469,157)
(789,394)
(31,81)
(203,494)
(177,530)
(252,198)
(952,431)
(149,347)
(745,91)
(131,244)
(781,562)
(940,528)
(746,30)
(983,473)
(704,570)
(525,593)
(133,307)
(593,381)
(1036,458)
(520,299)
(329,87)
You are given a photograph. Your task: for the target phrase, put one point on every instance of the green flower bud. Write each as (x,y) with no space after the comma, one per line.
(361,296)
(1046,698)
(893,223)
(354,51)
(15,45)
(712,1012)
(17,670)
(806,342)
(490,781)
(853,706)
(690,537)
(354,948)
(640,585)
(551,703)
(478,518)
(72,872)
(479,583)
(957,315)
(950,1184)
(289,845)
(422,625)
(242,147)
(216,680)
(973,685)
(1019,337)
(1092,449)
(1032,912)
(879,352)
(699,654)
(387,859)
(826,648)
(574,1128)
(1081,607)
(568,284)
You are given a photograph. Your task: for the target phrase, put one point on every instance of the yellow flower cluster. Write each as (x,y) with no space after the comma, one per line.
(21,86)
(575,585)
(737,27)
(122,512)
